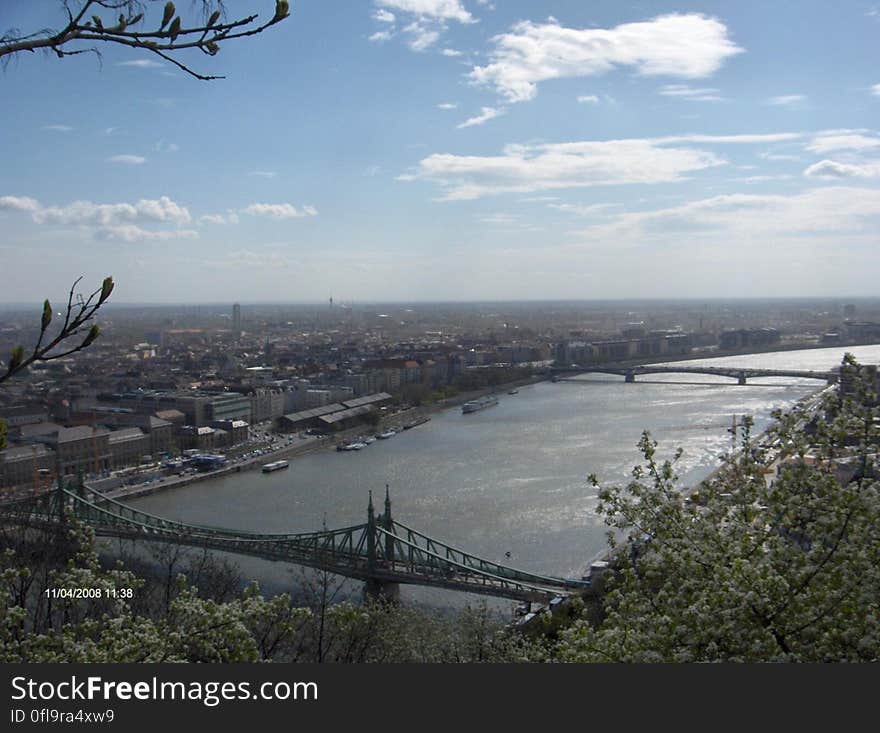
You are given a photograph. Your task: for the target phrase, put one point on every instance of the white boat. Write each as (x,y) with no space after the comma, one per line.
(480,403)
(275,466)
(513,391)
(387,434)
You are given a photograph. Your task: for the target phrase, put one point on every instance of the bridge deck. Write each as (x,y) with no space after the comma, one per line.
(381,550)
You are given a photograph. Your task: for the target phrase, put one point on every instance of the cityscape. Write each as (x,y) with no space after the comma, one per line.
(165,381)
(437,332)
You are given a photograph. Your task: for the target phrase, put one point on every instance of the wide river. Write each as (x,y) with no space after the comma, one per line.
(510,478)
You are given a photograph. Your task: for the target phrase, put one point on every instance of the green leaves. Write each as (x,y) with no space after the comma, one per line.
(174,30)
(106,289)
(16,358)
(93,333)
(167,15)
(282,9)
(47,315)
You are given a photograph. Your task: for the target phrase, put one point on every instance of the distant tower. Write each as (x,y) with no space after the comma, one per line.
(236,318)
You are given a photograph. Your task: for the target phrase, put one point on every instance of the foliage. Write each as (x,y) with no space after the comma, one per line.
(748,569)
(105,629)
(169,619)
(96,23)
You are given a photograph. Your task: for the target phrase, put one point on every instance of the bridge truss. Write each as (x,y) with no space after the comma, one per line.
(382,552)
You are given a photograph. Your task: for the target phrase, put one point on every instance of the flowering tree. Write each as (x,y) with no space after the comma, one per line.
(748,569)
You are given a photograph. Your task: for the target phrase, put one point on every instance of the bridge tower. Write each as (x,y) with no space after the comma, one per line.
(388,523)
(629,377)
(375,588)
(741,378)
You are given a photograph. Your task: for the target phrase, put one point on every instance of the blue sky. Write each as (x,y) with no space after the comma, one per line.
(455,150)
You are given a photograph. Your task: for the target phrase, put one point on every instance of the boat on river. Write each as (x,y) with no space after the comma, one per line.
(481,403)
(275,466)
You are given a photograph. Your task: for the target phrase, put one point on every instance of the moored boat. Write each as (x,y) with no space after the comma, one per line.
(275,466)
(480,403)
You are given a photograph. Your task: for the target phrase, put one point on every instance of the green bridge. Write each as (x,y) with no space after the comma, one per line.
(382,552)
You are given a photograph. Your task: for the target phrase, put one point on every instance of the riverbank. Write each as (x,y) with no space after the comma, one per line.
(311,443)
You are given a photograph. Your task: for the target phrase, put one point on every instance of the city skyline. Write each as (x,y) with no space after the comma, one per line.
(456,150)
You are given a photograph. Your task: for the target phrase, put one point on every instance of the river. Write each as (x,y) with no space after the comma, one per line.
(510,478)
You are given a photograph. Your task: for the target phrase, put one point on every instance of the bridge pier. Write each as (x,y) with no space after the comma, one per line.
(741,379)
(381,591)
(629,377)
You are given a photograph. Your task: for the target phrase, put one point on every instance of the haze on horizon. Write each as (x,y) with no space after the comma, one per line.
(456,150)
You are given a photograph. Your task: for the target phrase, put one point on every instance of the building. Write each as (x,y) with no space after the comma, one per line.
(192,437)
(81,449)
(236,431)
(26,465)
(236,318)
(128,447)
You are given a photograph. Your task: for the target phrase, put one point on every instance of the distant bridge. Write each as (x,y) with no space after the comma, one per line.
(740,374)
(381,552)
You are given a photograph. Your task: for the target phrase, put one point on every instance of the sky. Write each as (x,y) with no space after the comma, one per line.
(453,150)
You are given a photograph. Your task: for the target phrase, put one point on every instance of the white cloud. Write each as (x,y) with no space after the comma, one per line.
(693,94)
(142,64)
(531,168)
(380,36)
(875,90)
(588,99)
(262,174)
(163,147)
(436,9)
(787,99)
(451,52)
(231,217)
(280,211)
(832,140)
(834,169)
(486,114)
(212,219)
(18,203)
(383,16)
(500,218)
(423,36)
(58,128)
(688,46)
(161,210)
(127,159)
(582,210)
(123,221)
(745,139)
(447,105)
(747,217)
(777,156)
(134,233)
